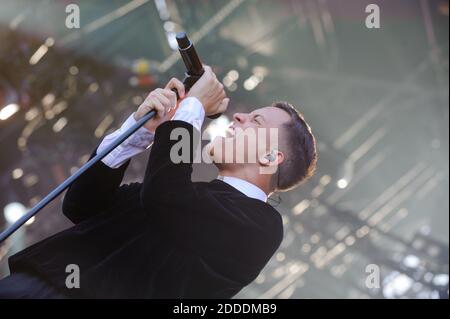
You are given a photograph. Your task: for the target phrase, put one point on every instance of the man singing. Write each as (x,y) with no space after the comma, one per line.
(169,237)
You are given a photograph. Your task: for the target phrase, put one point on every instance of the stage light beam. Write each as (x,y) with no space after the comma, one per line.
(8,111)
(13,212)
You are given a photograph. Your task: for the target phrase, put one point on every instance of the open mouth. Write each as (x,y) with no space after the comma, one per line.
(230,132)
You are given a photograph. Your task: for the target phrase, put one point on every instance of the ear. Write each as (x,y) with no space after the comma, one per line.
(273,158)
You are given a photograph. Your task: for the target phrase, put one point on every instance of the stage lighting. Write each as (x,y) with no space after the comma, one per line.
(411,261)
(17,173)
(41,51)
(251,83)
(13,212)
(217,127)
(441,280)
(8,111)
(30,221)
(233,75)
(396,285)
(342,183)
(73,70)
(345,174)
(59,124)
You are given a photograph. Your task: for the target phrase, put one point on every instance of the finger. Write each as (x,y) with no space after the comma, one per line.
(208,71)
(224,105)
(207,68)
(219,92)
(172,96)
(142,110)
(174,83)
(171,112)
(166,97)
(214,87)
(163,99)
(159,108)
(145,108)
(221,88)
(149,97)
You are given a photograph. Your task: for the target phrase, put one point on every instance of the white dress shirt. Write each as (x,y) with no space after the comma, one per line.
(249,189)
(191,111)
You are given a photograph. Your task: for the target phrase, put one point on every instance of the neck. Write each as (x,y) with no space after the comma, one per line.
(261,181)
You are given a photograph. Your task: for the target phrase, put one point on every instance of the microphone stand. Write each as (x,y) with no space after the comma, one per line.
(194,71)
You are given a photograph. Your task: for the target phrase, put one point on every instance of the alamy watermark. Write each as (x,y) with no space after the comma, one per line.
(245,146)
(73,279)
(373,20)
(73,16)
(373,278)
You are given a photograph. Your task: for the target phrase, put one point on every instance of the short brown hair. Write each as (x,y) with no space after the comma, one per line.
(299,149)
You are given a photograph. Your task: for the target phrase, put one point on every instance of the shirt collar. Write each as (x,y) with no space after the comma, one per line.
(245,187)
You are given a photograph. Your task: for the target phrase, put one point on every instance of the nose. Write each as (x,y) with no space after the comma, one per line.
(239,118)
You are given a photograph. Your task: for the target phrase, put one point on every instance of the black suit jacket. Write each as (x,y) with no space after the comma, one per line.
(166,237)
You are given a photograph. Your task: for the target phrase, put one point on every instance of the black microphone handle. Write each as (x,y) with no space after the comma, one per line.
(193,64)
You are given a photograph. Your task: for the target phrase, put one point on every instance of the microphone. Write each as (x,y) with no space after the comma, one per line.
(194,67)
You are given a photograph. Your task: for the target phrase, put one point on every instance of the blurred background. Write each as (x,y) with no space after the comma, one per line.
(377,100)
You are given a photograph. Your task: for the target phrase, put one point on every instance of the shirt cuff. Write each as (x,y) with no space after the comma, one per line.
(135,144)
(191,111)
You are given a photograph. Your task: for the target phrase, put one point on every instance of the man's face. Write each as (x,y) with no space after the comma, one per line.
(250,137)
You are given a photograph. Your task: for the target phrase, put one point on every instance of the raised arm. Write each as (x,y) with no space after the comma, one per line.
(167,185)
(93,192)
(99,188)
(165,174)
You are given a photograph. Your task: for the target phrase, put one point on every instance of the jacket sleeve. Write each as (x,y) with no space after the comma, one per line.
(167,191)
(95,191)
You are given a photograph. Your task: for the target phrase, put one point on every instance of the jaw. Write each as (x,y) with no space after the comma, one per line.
(228,151)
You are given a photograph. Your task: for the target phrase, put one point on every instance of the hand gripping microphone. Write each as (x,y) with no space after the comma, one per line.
(194,67)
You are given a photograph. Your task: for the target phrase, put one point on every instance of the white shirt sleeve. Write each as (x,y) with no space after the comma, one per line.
(135,144)
(190,111)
